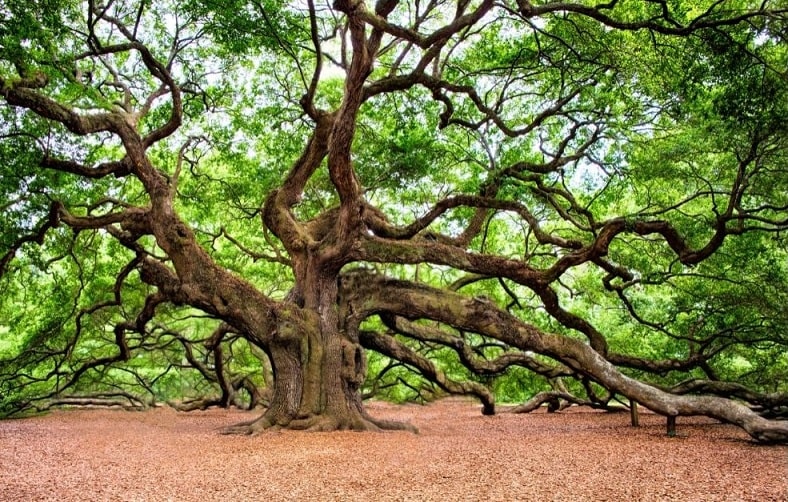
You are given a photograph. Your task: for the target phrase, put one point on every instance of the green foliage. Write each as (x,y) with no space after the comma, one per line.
(517,385)
(652,127)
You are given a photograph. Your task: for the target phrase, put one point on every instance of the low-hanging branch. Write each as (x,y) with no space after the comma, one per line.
(469,357)
(370,294)
(387,345)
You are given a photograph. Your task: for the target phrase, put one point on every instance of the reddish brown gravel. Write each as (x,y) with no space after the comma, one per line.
(162,455)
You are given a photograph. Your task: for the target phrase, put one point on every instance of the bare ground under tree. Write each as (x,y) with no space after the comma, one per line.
(459,455)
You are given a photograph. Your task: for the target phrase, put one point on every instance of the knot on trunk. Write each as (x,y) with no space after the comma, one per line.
(354,363)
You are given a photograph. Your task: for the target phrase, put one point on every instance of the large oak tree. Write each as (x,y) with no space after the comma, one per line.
(389,163)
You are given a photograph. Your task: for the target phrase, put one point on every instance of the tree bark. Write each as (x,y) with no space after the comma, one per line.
(318,368)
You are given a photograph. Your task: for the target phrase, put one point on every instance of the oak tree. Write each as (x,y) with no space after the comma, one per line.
(592,191)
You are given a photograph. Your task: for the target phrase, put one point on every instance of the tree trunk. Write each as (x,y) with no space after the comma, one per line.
(318,370)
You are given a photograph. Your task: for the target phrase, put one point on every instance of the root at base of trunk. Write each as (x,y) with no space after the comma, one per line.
(251,428)
(318,423)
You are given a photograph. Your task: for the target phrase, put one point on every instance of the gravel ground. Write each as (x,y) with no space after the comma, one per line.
(162,455)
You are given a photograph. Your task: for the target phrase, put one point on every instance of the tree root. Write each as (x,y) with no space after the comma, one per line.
(391,425)
(196,404)
(318,423)
(251,427)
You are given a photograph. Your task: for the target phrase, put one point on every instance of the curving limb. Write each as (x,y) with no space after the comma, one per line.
(373,295)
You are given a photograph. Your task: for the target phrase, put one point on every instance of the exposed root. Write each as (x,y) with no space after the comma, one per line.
(318,423)
(314,423)
(392,425)
(362,423)
(252,427)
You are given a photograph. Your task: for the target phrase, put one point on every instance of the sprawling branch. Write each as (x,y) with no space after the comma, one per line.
(52,221)
(389,346)
(663,22)
(22,94)
(469,356)
(157,69)
(118,168)
(377,295)
(771,403)
(459,23)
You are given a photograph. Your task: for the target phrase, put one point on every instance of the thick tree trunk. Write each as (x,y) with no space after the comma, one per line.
(318,370)
(316,388)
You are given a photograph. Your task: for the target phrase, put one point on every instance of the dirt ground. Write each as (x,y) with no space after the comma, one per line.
(162,455)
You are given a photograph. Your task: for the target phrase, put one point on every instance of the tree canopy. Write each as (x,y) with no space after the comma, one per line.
(303,204)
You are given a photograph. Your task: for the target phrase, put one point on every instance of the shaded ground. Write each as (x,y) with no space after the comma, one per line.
(164,455)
